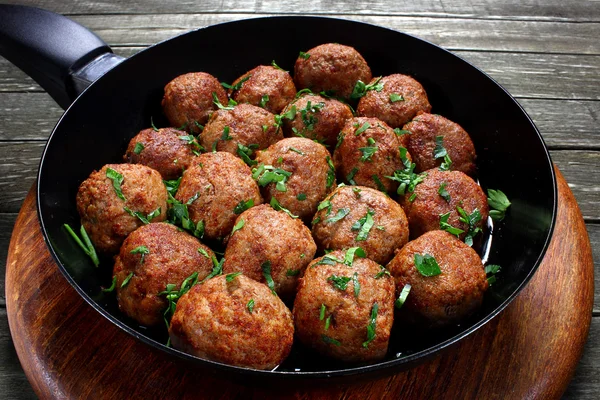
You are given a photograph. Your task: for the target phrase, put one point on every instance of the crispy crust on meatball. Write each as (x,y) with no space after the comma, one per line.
(334,321)
(444,299)
(317,118)
(428,205)
(367,152)
(216,321)
(270,238)
(216,184)
(245,125)
(331,67)
(277,85)
(372,221)
(422,141)
(312,174)
(167,150)
(387,107)
(188,100)
(104,214)
(155,255)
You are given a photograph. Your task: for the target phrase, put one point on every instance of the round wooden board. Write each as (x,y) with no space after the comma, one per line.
(529,351)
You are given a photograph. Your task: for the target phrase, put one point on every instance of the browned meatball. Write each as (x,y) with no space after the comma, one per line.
(167,150)
(271,243)
(331,67)
(234,320)
(108,200)
(151,257)
(306,170)
(241,130)
(400,99)
(367,152)
(316,117)
(265,86)
(422,139)
(447,298)
(443,192)
(334,314)
(214,189)
(188,100)
(361,216)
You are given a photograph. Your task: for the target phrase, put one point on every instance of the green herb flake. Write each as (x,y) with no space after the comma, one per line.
(443,192)
(112,287)
(445,226)
(339,282)
(278,207)
(292,272)
(351,253)
(439,151)
(266,174)
(143,250)
(446,165)
(138,148)
(360,88)
(154,128)
(250,305)
(274,65)
(126,280)
(362,129)
(401,132)
(144,218)
(232,276)
(367,152)
(491,270)
(498,203)
(382,273)
(471,220)
(238,226)
(238,85)
(217,102)
(403,295)
(117,180)
(245,152)
(394,97)
(172,294)
(84,243)
(322,312)
(243,206)
(341,213)
(327,322)
(364,225)
(340,140)
(356,284)
(301,196)
(295,150)
(304,55)
(203,252)
(172,185)
(225,135)
(330,173)
(372,325)
(350,176)
(379,184)
(408,179)
(427,265)
(263,101)
(217,269)
(330,340)
(266,270)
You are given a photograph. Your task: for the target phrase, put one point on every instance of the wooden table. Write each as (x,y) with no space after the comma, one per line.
(547,55)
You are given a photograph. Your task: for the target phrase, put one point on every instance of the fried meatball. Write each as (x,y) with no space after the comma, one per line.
(270,242)
(443,192)
(213,188)
(400,99)
(151,257)
(233,320)
(424,130)
(331,67)
(265,86)
(316,117)
(444,299)
(244,129)
(367,152)
(167,150)
(308,171)
(188,100)
(334,314)
(361,216)
(108,200)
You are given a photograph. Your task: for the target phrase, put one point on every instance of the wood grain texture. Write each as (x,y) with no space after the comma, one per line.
(553,10)
(505,358)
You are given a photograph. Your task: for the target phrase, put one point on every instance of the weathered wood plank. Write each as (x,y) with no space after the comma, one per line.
(563,123)
(18,171)
(585,383)
(7,222)
(580,10)
(594,234)
(550,76)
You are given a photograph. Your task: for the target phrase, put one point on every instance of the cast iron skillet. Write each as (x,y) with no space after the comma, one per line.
(65,58)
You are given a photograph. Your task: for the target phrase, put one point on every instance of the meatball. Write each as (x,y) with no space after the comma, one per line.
(368,152)
(167,150)
(423,140)
(299,175)
(111,201)
(234,320)
(331,67)
(361,216)
(270,242)
(316,117)
(345,311)
(435,301)
(265,86)
(240,131)
(444,192)
(188,100)
(152,257)
(214,189)
(400,99)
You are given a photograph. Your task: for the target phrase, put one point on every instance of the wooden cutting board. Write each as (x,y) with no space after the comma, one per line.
(529,351)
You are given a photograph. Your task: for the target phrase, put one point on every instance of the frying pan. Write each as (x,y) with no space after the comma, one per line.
(109,99)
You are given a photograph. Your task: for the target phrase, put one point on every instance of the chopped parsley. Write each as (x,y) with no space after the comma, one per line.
(295,150)
(172,185)
(322,312)
(238,226)
(274,65)
(394,97)
(278,207)
(139,215)
(266,174)
(263,101)
(401,132)
(364,225)
(232,276)
(351,253)
(126,280)
(360,88)
(266,270)
(339,282)
(498,203)
(427,265)
(154,128)
(310,120)
(356,284)
(363,128)
(440,152)
(471,220)
(341,213)
(371,327)
(408,179)
(143,250)
(445,226)
(85,243)
(304,55)
(491,270)
(112,287)
(403,295)
(230,104)
(203,252)
(226,135)
(325,204)
(301,196)
(250,305)
(173,294)
(138,148)
(330,340)
(178,214)
(217,269)
(238,85)
(117,181)
(243,206)
(330,173)
(191,141)
(443,192)
(292,272)
(340,140)
(367,152)
(245,152)
(382,272)
(379,184)
(350,176)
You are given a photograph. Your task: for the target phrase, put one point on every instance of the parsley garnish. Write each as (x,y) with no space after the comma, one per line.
(401,132)
(154,128)
(378,183)
(382,272)
(341,213)
(126,280)
(243,206)
(292,272)
(339,282)
(351,252)
(310,120)
(217,269)
(86,245)
(445,226)
(408,179)
(322,312)
(443,192)
(304,55)
(230,104)
(350,176)
(178,214)
(356,284)
(363,128)
(112,286)
(340,140)
(173,294)
(245,152)
(471,220)
(143,250)
(194,145)
(274,65)
(301,196)
(278,207)
(367,152)
(225,135)
(360,88)
(499,203)
(265,174)
(295,150)
(117,181)
(403,295)
(145,219)
(440,152)
(491,270)
(203,252)
(330,173)
(266,270)
(263,101)
(330,340)
(138,148)
(394,97)
(427,265)
(238,85)
(172,185)
(238,226)
(325,204)
(232,276)
(371,327)
(250,305)
(364,225)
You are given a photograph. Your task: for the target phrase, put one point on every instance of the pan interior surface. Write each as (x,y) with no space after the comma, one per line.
(98,126)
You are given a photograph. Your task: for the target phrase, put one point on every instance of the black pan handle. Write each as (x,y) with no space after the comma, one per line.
(58,53)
